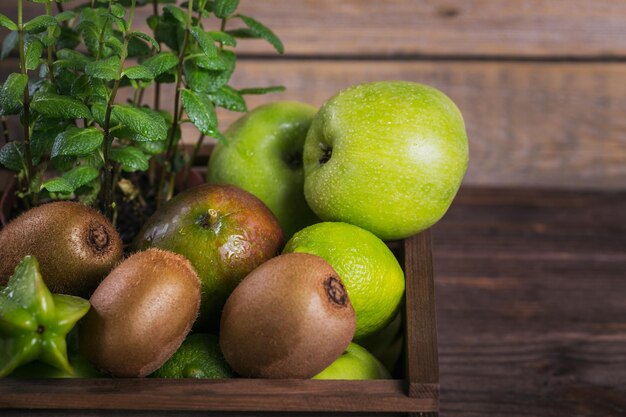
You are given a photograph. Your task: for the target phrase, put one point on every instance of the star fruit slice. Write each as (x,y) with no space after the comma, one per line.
(34,322)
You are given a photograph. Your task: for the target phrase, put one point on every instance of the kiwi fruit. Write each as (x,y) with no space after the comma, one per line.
(289,318)
(75,245)
(140,314)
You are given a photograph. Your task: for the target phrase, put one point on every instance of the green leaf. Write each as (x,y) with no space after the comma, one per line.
(242,33)
(72,59)
(262,90)
(130,158)
(142,121)
(138,48)
(224,8)
(152,148)
(69,38)
(81,87)
(138,72)
(200,111)
(117,10)
(263,32)
(59,107)
(44,133)
(77,142)
(104,69)
(32,54)
(8,44)
(161,63)
(228,98)
(12,94)
(7,23)
(205,41)
(81,175)
(115,44)
(202,80)
(65,16)
(39,23)
(176,13)
(147,38)
(11,156)
(224,38)
(58,185)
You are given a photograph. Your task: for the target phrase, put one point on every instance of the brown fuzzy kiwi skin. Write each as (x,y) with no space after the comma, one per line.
(289,318)
(140,314)
(75,245)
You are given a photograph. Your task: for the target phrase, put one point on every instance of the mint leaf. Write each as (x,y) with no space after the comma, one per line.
(224,8)
(142,121)
(202,80)
(228,98)
(81,175)
(59,107)
(161,63)
(223,37)
(39,23)
(11,156)
(12,94)
(77,142)
(205,41)
(58,185)
(130,159)
(138,72)
(32,52)
(263,32)
(117,10)
(105,69)
(176,13)
(72,59)
(200,111)
(7,23)
(262,90)
(64,16)
(147,38)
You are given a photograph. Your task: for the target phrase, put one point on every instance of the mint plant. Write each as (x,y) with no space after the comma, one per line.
(79,141)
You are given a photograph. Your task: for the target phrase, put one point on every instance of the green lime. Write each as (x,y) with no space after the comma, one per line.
(198,357)
(355,363)
(368,269)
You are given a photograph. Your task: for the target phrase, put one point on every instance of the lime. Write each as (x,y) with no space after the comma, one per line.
(368,269)
(355,363)
(198,357)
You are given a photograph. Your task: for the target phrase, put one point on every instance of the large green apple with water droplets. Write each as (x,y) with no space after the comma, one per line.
(386,156)
(264,157)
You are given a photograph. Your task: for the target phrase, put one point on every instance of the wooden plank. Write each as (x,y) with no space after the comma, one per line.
(233,395)
(529,124)
(531,315)
(536,28)
(422,365)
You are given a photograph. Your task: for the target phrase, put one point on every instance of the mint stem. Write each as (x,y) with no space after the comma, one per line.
(26,107)
(171,149)
(108,188)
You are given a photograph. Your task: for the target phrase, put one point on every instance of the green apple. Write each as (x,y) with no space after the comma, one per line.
(355,363)
(264,157)
(224,231)
(386,156)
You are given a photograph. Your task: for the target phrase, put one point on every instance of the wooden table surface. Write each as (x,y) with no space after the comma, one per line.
(531,297)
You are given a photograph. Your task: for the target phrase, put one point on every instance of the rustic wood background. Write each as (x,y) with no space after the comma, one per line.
(541,83)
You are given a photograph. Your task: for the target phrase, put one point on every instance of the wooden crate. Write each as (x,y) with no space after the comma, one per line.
(418,392)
